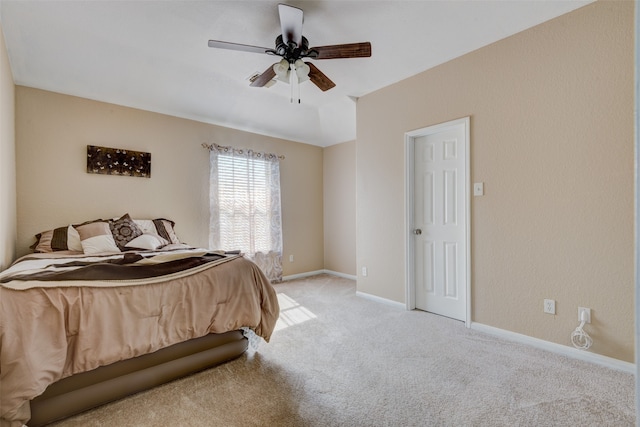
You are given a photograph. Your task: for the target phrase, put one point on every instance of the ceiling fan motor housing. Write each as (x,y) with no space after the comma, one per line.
(292,52)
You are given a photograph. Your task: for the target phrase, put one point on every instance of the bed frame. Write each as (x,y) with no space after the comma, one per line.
(86,390)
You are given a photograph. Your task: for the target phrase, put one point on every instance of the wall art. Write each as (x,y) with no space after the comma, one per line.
(117,161)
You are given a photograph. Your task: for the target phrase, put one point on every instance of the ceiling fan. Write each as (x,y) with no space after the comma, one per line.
(293,47)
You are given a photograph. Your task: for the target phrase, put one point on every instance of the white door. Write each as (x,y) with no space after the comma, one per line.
(440,229)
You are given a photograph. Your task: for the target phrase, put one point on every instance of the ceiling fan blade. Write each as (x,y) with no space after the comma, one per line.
(237,46)
(336,51)
(318,78)
(264,78)
(291,22)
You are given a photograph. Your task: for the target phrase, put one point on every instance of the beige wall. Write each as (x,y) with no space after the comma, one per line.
(340,208)
(53,130)
(7,160)
(552,139)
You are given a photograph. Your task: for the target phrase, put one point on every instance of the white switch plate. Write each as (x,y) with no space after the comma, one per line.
(364,271)
(478,189)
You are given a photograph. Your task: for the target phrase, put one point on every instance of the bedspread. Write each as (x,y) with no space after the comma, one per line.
(48,333)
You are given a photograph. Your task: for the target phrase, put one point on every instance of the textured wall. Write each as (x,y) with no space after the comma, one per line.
(53,130)
(7,160)
(340,207)
(552,138)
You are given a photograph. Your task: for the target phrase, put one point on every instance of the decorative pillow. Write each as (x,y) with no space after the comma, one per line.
(59,239)
(146,225)
(164,227)
(51,240)
(73,239)
(96,238)
(147,241)
(124,230)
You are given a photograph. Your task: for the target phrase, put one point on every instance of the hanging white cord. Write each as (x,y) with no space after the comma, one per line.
(295,85)
(579,338)
(291,74)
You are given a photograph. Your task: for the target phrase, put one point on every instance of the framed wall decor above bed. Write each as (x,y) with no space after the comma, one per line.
(118,161)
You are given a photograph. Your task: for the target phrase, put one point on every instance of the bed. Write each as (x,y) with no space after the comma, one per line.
(81,329)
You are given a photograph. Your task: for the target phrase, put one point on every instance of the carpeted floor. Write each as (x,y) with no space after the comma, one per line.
(341,360)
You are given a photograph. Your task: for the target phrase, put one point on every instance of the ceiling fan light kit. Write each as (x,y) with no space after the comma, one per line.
(294,74)
(292,47)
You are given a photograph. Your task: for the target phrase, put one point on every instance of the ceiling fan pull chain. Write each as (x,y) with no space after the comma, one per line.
(295,85)
(291,77)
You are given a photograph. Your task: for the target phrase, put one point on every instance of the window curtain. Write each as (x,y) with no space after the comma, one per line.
(245,212)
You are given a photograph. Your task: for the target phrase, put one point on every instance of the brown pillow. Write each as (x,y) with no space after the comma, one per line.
(124,230)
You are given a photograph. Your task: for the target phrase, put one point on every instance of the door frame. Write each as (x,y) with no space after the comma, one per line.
(409,144)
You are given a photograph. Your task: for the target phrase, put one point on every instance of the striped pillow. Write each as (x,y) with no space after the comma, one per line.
(59,239)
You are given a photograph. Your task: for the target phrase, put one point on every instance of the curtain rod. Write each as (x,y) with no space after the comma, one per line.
(211,146)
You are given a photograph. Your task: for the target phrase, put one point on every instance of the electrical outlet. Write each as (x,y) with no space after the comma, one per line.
(290,258)
(550,306)
(587,314)
(364,271)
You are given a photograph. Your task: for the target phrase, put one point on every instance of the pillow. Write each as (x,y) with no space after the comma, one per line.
(165,229)
(59,239)
(51,240)
(96,238)
(124,230)
(146,225)
(147,241)
(162,227)
(73,239)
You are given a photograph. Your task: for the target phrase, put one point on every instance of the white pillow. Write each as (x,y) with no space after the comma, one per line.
(96,238)
(147,241)
(73,239)
(146,225)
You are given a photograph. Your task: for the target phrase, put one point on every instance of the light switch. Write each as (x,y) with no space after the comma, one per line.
(478,189)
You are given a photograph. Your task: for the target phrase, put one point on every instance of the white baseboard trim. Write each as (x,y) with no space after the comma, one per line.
(343,275)
(598,359)
(302,275)
(316,272)
(381,300)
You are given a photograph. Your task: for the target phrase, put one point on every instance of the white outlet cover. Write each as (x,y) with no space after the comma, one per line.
(587,312)
(549,306)
(478,189)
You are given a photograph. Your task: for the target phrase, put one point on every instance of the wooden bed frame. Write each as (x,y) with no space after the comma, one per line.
(86,390)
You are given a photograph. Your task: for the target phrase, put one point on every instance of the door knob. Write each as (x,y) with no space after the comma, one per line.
(417,231)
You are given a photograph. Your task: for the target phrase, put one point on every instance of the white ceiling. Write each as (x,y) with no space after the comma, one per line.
(153,55)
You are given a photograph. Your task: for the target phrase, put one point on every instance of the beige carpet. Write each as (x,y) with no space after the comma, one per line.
(341,360)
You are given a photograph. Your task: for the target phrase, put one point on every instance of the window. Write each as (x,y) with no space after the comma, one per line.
(245,206)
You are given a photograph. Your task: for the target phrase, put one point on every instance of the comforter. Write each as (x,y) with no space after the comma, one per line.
(67,314)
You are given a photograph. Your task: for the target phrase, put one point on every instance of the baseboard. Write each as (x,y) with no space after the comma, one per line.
(315,273)
(381,300)
(302,275)
(343,275)
(598,359)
